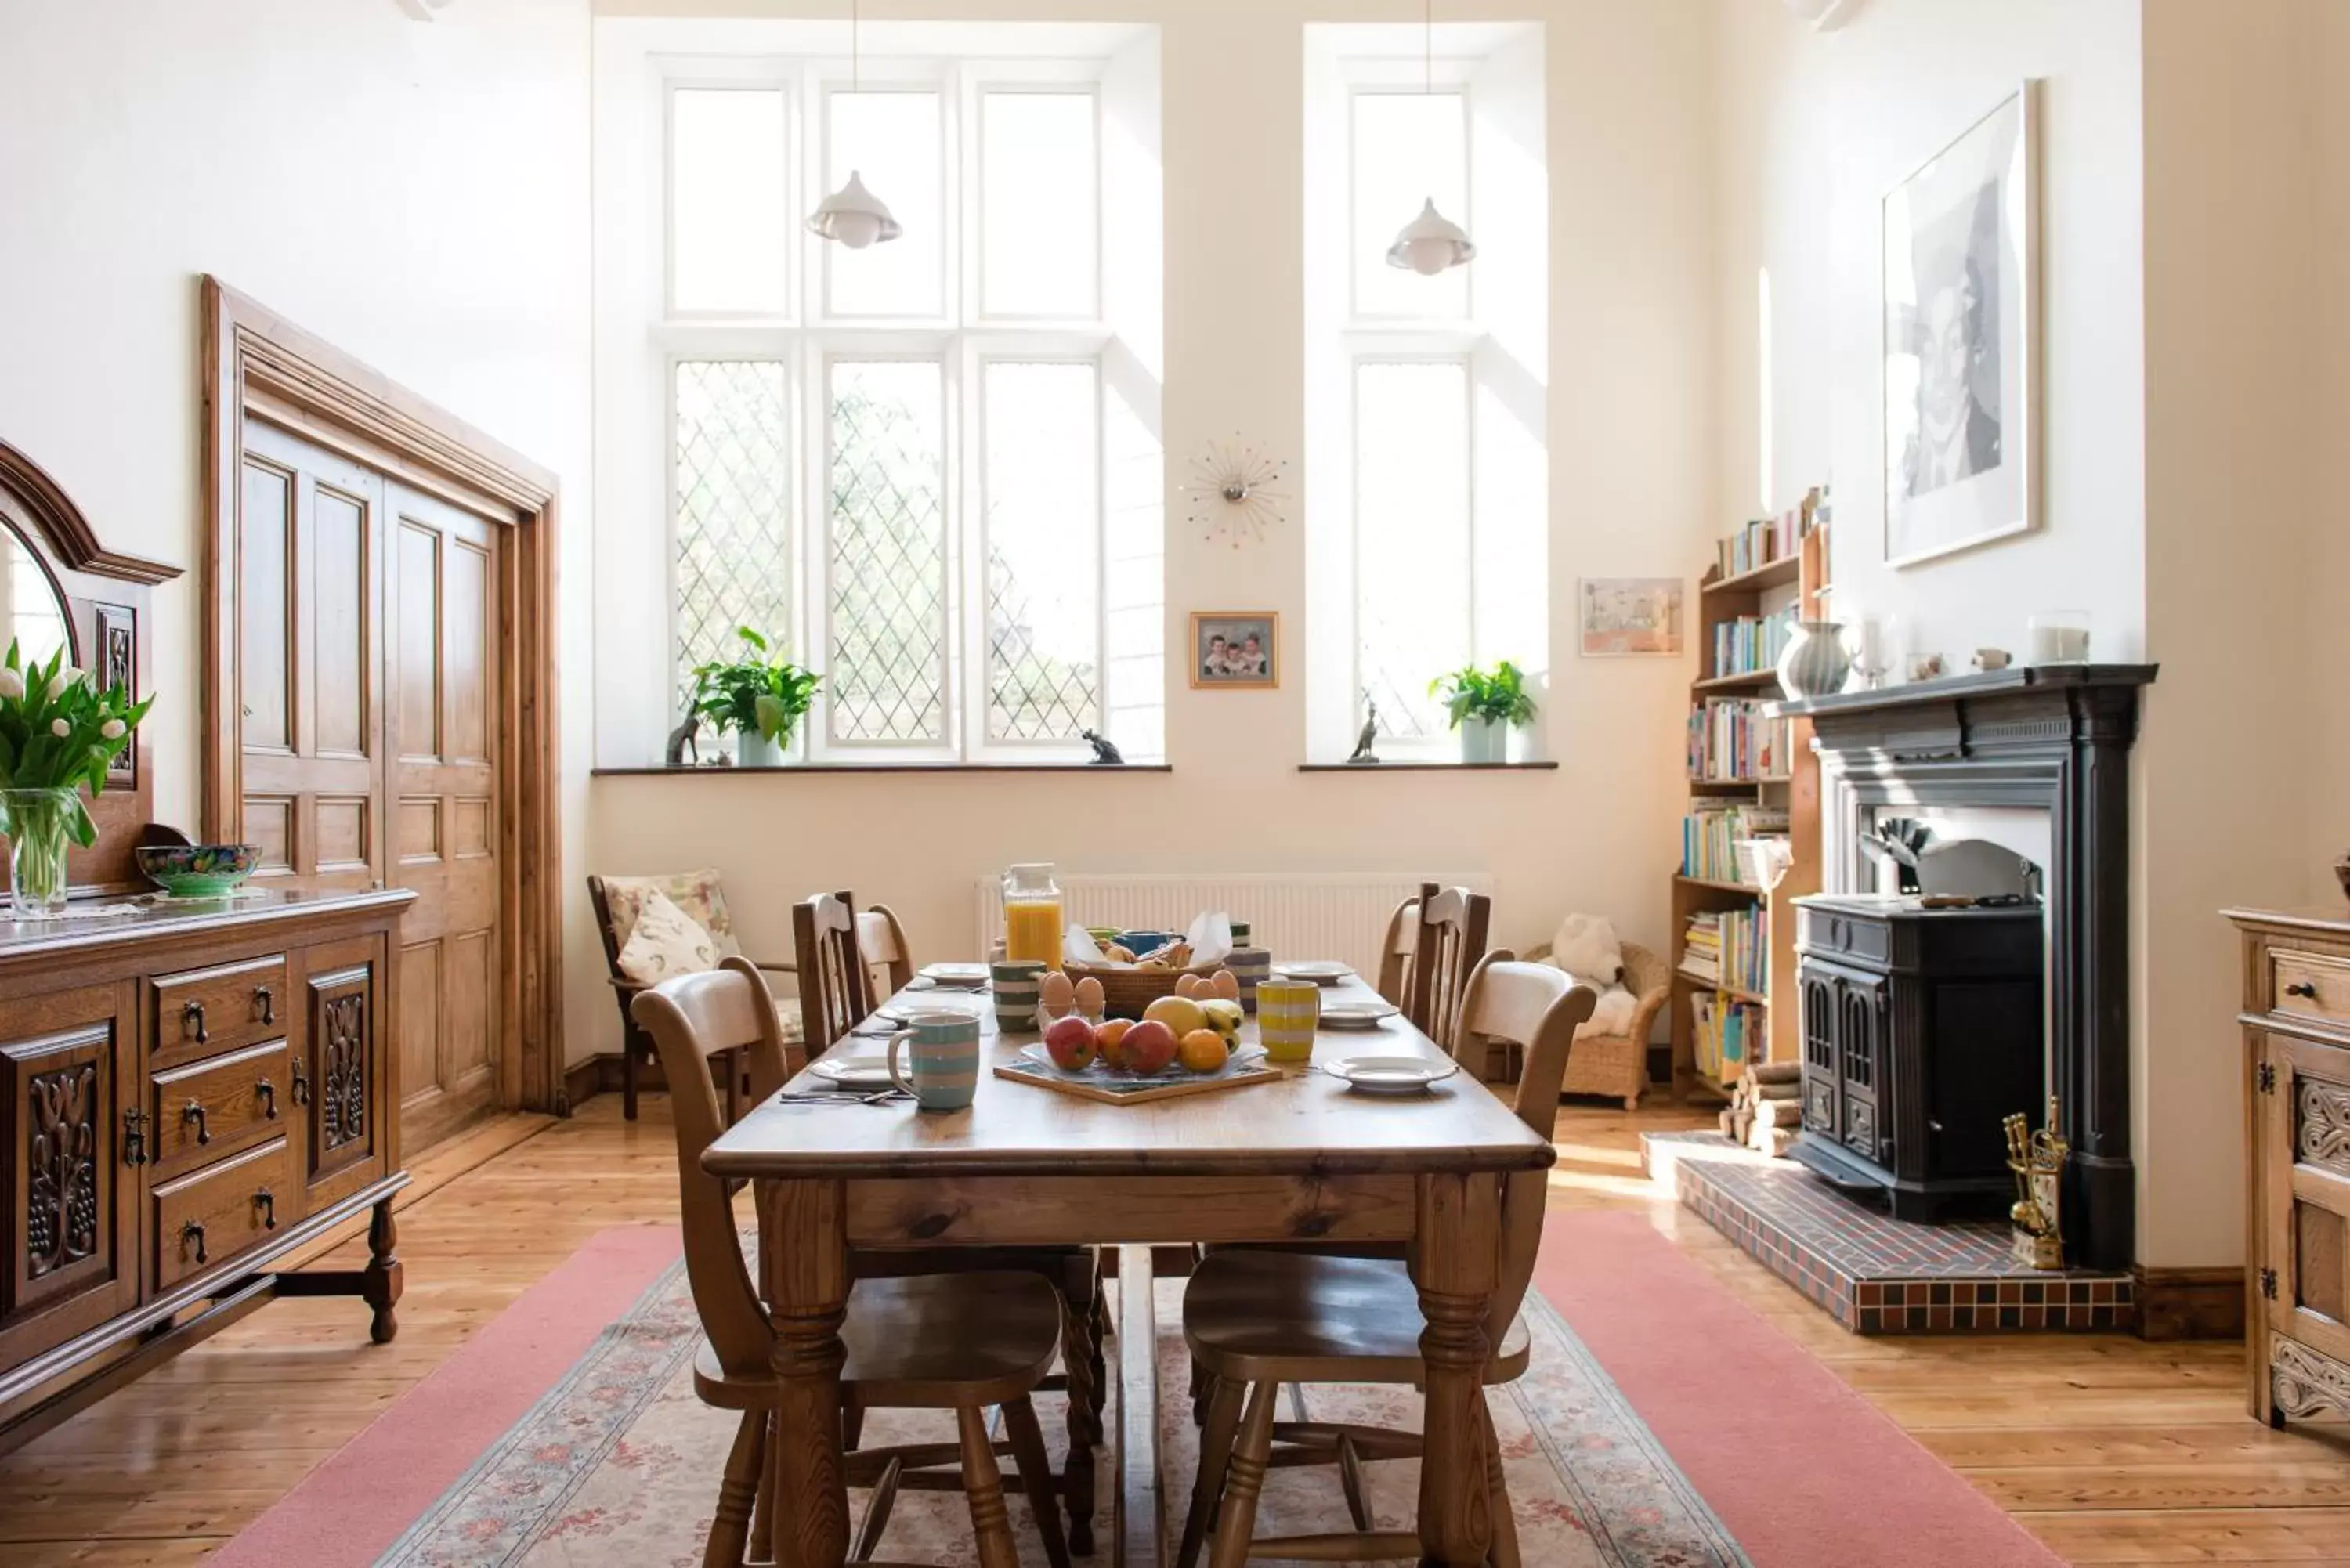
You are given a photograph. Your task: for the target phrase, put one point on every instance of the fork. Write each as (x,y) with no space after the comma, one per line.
(835,1098)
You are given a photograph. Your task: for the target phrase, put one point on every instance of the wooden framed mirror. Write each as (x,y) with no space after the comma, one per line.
(60,587)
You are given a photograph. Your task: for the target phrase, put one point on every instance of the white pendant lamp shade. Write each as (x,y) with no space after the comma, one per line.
(1430,243)
(855,216)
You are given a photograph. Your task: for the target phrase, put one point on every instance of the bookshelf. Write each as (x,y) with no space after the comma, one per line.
(1713,904)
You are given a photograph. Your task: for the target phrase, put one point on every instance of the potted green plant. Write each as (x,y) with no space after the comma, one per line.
(759,697)
(59,734)
(1484,706)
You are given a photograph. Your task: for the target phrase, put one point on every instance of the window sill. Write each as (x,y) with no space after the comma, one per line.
(736,773)
(1425,767)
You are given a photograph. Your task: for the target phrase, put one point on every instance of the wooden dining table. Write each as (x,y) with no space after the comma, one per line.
(1302,1158)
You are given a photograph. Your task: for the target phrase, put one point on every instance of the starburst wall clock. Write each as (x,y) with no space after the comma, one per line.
(1235,490)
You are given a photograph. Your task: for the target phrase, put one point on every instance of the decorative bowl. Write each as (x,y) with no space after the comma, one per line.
(198,870)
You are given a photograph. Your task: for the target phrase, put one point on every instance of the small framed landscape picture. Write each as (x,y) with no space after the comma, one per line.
(1238,649)
(1623,615)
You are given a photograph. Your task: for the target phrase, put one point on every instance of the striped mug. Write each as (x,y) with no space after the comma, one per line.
(1287,1011)
(942,1047)
(1015,982)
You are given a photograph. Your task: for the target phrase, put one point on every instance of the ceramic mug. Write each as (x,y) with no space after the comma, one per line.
(1287,1013)
(943,1049)
(1249,966)
(1015,982)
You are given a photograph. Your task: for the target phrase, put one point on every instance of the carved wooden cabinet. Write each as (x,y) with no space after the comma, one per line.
(2296,1023)
(188,1094)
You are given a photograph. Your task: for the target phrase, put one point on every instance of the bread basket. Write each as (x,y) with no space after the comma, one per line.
(1125,989)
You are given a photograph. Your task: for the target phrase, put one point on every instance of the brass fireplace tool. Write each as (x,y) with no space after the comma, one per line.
(2038,1160)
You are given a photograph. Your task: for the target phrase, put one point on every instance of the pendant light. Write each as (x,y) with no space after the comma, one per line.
(854,215)
(1431,242)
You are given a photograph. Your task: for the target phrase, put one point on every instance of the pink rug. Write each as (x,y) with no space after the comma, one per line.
(1809,1476)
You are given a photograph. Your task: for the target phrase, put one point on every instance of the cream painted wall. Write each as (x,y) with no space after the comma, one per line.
(1630,152)
(416,193)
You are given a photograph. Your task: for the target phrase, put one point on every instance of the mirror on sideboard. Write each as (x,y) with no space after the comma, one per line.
(32,611)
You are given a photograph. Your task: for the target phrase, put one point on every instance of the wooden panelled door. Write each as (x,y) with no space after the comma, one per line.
(374,674)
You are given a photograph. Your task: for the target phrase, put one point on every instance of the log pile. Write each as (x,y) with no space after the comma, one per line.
(1766,1107)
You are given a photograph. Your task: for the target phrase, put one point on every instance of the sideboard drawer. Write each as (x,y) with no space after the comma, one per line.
(2312,988)
(1840,936)
(205,1219)
(206,1011)
(220,1105)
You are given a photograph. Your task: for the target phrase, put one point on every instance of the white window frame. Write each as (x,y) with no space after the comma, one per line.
(808,338)
(1400,78)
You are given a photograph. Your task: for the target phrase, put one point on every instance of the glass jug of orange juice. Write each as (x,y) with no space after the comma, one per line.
(1032,916)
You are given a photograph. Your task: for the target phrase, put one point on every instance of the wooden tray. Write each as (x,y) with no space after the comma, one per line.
(1112,1092)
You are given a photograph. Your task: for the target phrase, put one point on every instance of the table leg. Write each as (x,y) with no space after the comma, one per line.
(807,1280)
(1455,1265)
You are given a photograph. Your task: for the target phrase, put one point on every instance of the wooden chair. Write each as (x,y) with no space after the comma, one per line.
(1445,927)
(888,958)
(959,1341)
(1256,1320)
(617,900)
(835,993)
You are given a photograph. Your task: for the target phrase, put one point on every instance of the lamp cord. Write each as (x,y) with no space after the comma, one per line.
(1427,48)
(855,54)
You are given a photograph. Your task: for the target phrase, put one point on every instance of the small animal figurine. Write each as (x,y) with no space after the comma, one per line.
(681,741)
(1370,731)
(1105,753)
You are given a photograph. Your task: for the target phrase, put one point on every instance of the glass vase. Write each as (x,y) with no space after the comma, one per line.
(39,825)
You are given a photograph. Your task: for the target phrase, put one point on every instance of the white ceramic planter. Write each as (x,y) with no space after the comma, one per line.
(1484,741)
(753,750)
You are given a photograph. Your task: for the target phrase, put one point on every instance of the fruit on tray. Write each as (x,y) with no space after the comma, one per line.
(1071,1042)
(1224,1017)
(1203,1050)
(1181,1014)
(1148,1047)
(1109,1036)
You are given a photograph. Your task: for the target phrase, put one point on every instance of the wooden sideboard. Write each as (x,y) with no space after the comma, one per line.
(189,1093)
(2296,1022)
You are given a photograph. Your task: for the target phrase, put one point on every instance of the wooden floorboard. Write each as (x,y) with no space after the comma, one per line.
(2110,1449)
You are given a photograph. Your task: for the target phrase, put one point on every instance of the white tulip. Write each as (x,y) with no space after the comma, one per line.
(114,729)
(63,681)
(60,728)
(11,683)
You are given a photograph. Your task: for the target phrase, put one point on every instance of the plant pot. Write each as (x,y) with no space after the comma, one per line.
(39,823)
(1814,663)
(753,750)
(1484,741)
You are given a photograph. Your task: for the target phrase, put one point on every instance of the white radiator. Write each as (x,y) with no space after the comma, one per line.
(1298,915)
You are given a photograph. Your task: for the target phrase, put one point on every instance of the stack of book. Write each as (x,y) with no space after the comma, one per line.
(1727,1034)
(1712,829)
(1749,643)
(1729,947)
(1759,543)
(1729,738)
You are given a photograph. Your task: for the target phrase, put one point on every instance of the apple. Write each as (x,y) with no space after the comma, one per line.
(1147,1048)
(1071,1043)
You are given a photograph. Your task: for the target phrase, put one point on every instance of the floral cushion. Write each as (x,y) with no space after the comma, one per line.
(667,942)
(697,894)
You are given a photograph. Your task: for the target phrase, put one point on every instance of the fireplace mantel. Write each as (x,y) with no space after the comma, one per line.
(2056,739)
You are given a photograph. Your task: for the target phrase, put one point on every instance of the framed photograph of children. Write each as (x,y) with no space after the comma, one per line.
(1624,616)
(1236,649)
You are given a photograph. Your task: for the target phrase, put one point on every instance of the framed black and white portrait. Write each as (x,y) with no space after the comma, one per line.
(1961,339)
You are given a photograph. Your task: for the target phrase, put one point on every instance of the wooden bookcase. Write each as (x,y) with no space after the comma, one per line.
(1722,599)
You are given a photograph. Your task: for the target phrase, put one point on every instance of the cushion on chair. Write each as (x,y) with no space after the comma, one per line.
(698,893)
(666,942)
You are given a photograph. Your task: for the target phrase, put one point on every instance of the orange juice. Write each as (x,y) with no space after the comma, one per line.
(1032,930)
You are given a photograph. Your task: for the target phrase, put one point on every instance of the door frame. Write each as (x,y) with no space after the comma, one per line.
(256,363)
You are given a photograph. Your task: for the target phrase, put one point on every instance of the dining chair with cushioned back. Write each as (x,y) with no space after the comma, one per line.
(958,1342)
(1256,1320)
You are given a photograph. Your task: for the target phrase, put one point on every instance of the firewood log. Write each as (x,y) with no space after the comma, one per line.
(1773,1141)
(1769,1091)
(1778,1114)
(1776,1072)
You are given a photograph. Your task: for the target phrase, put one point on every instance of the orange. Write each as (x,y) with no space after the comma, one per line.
(1203,1050)
(1106,1038)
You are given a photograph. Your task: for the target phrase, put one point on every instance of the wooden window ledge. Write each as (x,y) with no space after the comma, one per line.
(884,768)
(1426,767)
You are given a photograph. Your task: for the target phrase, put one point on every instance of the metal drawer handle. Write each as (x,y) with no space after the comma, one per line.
(193,1229)
(2307,988)
(267,1000)
(268,1092)
(195,1113)
(194,1013)
(134,1136)
(301,1084)
(268,1201)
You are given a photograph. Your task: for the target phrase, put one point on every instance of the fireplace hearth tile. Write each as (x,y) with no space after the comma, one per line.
(1871,1272)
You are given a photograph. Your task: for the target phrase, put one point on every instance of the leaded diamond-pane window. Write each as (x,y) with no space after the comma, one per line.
(1412,530)
(1043,537)
(888,557)
(734,527)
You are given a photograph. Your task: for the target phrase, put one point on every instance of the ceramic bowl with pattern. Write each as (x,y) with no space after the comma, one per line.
(198,870)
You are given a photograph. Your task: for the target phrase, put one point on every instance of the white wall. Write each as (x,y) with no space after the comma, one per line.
(415,194)
(1629,151)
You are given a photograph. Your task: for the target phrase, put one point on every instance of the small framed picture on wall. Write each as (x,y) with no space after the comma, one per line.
(1238,649)
(1622,616)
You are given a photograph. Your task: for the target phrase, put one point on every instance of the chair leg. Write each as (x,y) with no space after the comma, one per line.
(1036,1477)
(1216,1434)
(1082,1364)
(852,1426)
(629,1073)
(982,1484)
(1236,1519)
(1503,1552)
(730,1532)
(763,1507)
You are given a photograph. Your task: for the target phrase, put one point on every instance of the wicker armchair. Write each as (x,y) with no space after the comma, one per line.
(1617,1064)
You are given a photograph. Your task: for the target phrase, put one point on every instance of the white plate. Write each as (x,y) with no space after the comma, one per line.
(1367,1014)
(852,1072)
(1321,971)
(902,1012)
(969,975)
(1391,1074)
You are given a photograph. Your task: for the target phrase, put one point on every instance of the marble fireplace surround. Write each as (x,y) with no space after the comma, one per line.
(2052,738)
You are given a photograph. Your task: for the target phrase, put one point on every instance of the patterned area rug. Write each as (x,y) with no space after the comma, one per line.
(618,1464)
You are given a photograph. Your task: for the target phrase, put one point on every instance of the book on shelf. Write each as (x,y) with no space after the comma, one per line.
(1726,1035)
(1712,831)
(1748,644)
(1733,738)
(1729,947)
(1762,541)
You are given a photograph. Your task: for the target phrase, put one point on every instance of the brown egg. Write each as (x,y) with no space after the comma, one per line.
(1089,997)
(1191,985)
(1226,984)
(1055,993)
